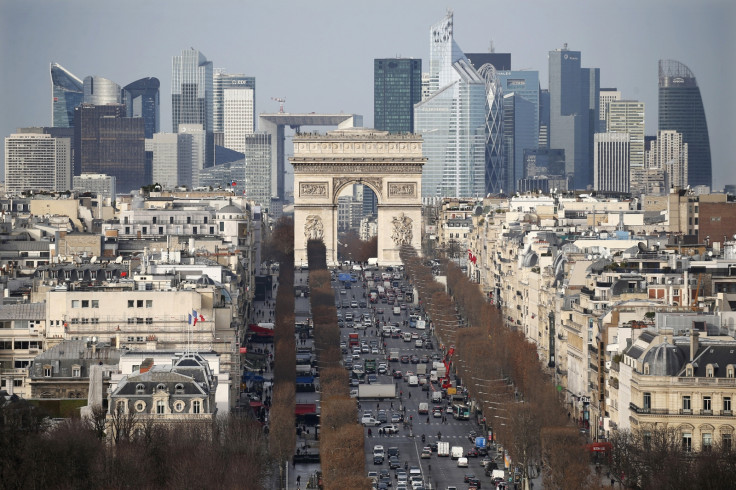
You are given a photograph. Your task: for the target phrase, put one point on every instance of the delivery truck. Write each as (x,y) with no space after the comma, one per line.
(378,391)
(393,354)
(443,448)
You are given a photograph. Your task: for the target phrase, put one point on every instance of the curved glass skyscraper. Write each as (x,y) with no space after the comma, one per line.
(141,99)
(101,91)
(681,110)
(67,92)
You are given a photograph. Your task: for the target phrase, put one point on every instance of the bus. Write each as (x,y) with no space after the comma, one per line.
(461,412)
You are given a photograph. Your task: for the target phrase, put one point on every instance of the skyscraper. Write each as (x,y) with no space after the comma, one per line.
(238,117)
(627,116)
(500,61)
(606,96)
(452,120)
(397,86)
(670,154)
(67,92)
(574,105)
(109,143)
(611,162)
(101,91)
(497,174)
(191,90)
(37,161)
(681,109)
(141,99)
(233,81)
(521,129)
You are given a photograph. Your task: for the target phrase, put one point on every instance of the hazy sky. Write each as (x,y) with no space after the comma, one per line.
(319,54)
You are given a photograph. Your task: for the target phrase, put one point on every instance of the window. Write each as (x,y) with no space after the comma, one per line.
(222,226)
(687,441)
(189,219)
(171,220)
(161,387)
(727,405)
(706,404)
(136,367)
(196,406)
(139,321)
(154,220)
(17,383)
(709,371)
(140,406)
(212,230)
(85,303)
(21,363)
(95,303)
(140,388)
(160,230)
(131,321)
(127,230)
(179,406)
(47,371)
(75,303)
(194,230)
(686,404)
(139,304)
(160,407)
(647,438)
(646,365)
(179,388)
(729,371)
(149,303)
(726,442)
(647,401)
(707,441)
(76,372)
(149,321)
(131,303)
(689,371)
(121,406)
(205,219)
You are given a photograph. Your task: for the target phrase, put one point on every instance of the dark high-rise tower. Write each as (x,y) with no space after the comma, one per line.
(681,109)
(67,92)
(500,61)
(107,142)
(191,90)
(141,99)
(574,104)
(397,86)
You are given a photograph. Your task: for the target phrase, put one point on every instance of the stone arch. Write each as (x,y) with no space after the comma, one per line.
(389,164)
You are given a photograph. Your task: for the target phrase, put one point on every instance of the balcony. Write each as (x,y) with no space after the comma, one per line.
(706,412)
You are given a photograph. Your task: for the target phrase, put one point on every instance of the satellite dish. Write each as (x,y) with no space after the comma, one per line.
(119,260)
(93,260)
(94,339)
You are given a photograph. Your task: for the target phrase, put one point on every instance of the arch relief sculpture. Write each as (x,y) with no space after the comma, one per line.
(402,230)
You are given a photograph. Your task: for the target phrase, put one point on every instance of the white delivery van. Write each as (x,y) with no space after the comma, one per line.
(413,381)
(462,462)
(436,396)
(423,408)
(443,448)
(407,336)
(456,452)
(397,310)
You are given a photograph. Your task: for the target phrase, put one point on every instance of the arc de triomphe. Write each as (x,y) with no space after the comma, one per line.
(390,164)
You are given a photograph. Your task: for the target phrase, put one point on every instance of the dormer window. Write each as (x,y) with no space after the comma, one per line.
(179,388)
(689,371)
(730,371)
(646,368)
(140,389)
(709,371)
(161,387)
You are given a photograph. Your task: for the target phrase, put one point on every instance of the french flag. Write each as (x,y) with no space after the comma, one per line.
(194,317)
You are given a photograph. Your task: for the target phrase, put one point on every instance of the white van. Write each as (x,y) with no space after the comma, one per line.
(436,396)
(407,336)
(462,462)
(397,310)
(456,452)
(414,381)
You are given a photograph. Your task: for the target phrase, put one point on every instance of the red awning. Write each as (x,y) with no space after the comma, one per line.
(305,409)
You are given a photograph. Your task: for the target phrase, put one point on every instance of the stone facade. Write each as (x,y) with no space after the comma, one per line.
(390,165)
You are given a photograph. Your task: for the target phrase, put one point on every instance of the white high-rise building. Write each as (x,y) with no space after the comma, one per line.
(611,162)
(35,161)
(606,96)
(670,153)
(627,116)
(452,120)
(178,157)
(238,117)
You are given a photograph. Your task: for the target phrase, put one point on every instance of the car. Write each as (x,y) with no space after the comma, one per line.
(448,409)
(384,473)
(365,349)
(426,453)
(379,311)
(373,475)
(377,459)
(418,343)
(342,291)
(395,417)
(468,476)
(474,483)
(398,375)
(372,378)
(348,317)
(414,336)
(369,421)
(382,417)
(437,412)
(401,475)
(408,374)
(462,462)
(424,359)
(374,350)
(404,359)
(354,382)
(414,359)
(381,369)
(353,304)
(403,306)
(390,429)
(428,345)
(362,304)
(393,462)
(472,453)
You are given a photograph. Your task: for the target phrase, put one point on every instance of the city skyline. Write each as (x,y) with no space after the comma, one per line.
(695,35)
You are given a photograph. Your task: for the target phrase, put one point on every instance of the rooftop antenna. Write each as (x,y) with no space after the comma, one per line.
(281,101)
(491,47)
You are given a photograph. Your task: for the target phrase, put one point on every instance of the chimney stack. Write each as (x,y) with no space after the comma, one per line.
(693,343)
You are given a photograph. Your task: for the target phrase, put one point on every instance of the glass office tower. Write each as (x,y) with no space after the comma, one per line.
(191,90)
(231,81)
(397,86)
(101,91)
(681,109)
(452,120)
(141,99)
(67,92)
(574,104)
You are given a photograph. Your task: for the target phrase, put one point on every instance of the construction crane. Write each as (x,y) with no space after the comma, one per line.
(694,301)
(281,101)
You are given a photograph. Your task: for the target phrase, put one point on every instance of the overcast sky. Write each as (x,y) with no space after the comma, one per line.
(319,54)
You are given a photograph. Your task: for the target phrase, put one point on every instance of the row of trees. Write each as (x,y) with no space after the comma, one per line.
(502,373)
(282,433)
(356,249)
(231,452)
(342,443)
